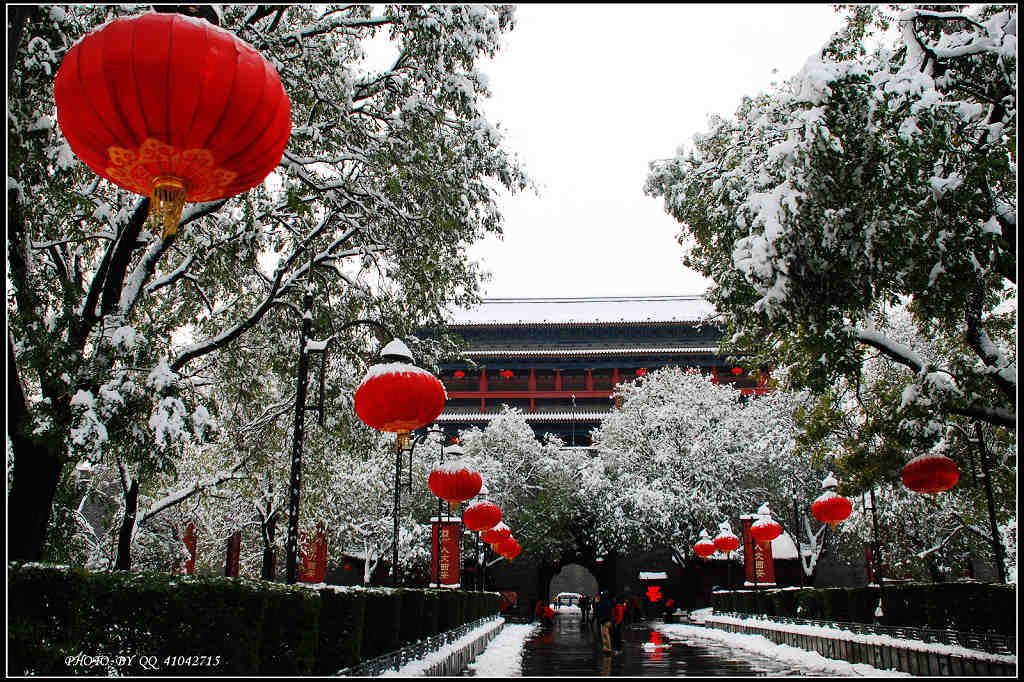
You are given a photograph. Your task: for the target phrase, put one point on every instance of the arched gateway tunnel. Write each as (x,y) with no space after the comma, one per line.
(647,579)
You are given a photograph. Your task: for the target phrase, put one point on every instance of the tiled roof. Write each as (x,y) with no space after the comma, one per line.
(580,416)
(570,352)
(605,310)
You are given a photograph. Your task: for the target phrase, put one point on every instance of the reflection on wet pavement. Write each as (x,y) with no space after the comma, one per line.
(573,648)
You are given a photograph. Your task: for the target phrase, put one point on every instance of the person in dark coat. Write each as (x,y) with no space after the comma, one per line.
(618,614)
(604,618)
(584,607)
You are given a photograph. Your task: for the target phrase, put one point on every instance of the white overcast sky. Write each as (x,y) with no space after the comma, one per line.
(587,95)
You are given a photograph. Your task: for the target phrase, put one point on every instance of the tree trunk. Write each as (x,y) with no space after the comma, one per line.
(124,536)
(37,470)
(268,527)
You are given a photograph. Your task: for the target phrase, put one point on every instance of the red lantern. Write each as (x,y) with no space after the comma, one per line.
(173,108)
(831,508)
(930,474)
(497,534)
(507,373)
(454,482)
(397,396)
(481,515)
(459,374)
(765,530)
(640,372)
(654,593)
(508,548)
(726,542)
(737,371)
(704,548)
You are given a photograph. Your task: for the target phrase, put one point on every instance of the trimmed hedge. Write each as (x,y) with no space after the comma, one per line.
(967,606)
(240,626)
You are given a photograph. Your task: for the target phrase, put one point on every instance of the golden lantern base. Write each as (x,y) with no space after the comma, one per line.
(165,205)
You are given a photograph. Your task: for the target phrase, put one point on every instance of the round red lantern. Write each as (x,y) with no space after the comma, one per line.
(765,529)
(930,474)
(396,395)
(830,507)
(497,534)
(173,108)
(459,374)
(508,548)
(507,373)
(704,547)
(640,372)
(454,482)
(481,515)
(737,371)
(726,542)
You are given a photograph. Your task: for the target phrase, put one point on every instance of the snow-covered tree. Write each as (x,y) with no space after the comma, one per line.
(871,178)
(389,173)
(683,453)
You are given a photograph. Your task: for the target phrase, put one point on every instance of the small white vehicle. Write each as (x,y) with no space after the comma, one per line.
(567,599)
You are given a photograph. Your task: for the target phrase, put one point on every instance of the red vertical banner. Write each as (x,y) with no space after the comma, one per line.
(190,545)
(447,531)
(313,567)
(757,556)
(234,555)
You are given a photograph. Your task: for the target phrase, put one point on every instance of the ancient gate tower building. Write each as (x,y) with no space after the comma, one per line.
(559,359)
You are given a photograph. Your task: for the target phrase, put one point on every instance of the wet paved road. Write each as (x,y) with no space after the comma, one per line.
(571,648)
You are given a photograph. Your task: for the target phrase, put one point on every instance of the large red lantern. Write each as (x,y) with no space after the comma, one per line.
(726,542)
(508,548)
(737,371)
(930,474)
(765,529)
(497,534)
(481,515)
(830,507)
(396,395)
(704,547)
(173,108)
(454,482)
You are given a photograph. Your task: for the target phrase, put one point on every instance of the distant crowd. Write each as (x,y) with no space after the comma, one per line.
(604,614)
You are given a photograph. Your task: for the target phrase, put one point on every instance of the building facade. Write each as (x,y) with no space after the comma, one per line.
(560,359)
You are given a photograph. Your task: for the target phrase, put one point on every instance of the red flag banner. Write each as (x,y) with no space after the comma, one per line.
(313,568)
(757,556)
(449,527)
(190,545)
(234,555)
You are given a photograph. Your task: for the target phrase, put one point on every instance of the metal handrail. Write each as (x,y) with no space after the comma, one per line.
(989,642)
(394,660)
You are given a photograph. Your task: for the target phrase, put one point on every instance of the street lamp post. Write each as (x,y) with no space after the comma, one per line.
(298,437)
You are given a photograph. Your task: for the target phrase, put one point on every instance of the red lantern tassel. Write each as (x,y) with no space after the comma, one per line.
(166,205)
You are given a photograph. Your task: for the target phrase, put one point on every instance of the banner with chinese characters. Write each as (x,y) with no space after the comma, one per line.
(450,527)
(234,555)
(757,556)
(190,545)
(313,567)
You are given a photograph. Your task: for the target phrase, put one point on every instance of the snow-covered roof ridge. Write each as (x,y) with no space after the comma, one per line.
(600,309)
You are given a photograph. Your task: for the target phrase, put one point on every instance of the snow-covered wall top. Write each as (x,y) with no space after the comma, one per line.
(584,310)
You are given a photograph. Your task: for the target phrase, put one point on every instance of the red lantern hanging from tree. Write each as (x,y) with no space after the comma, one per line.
(642,371)
(930,474)
(454,482)
(508,548)
(737,371)
(481,515)
(830,507)
(497,534)
(396,395)
(704,547)
(725,541)
(765,529)
(172,108)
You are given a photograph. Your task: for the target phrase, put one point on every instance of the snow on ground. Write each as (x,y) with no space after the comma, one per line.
(503,657)
(419,668)
(806,660)
(849,635)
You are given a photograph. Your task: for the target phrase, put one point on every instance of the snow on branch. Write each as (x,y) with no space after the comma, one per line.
(180,496)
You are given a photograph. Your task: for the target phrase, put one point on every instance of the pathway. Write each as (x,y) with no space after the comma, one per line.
(571,648)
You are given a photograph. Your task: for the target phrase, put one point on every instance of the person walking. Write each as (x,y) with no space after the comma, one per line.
(618,614)
(593,611)
(584,607)
(604,618)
